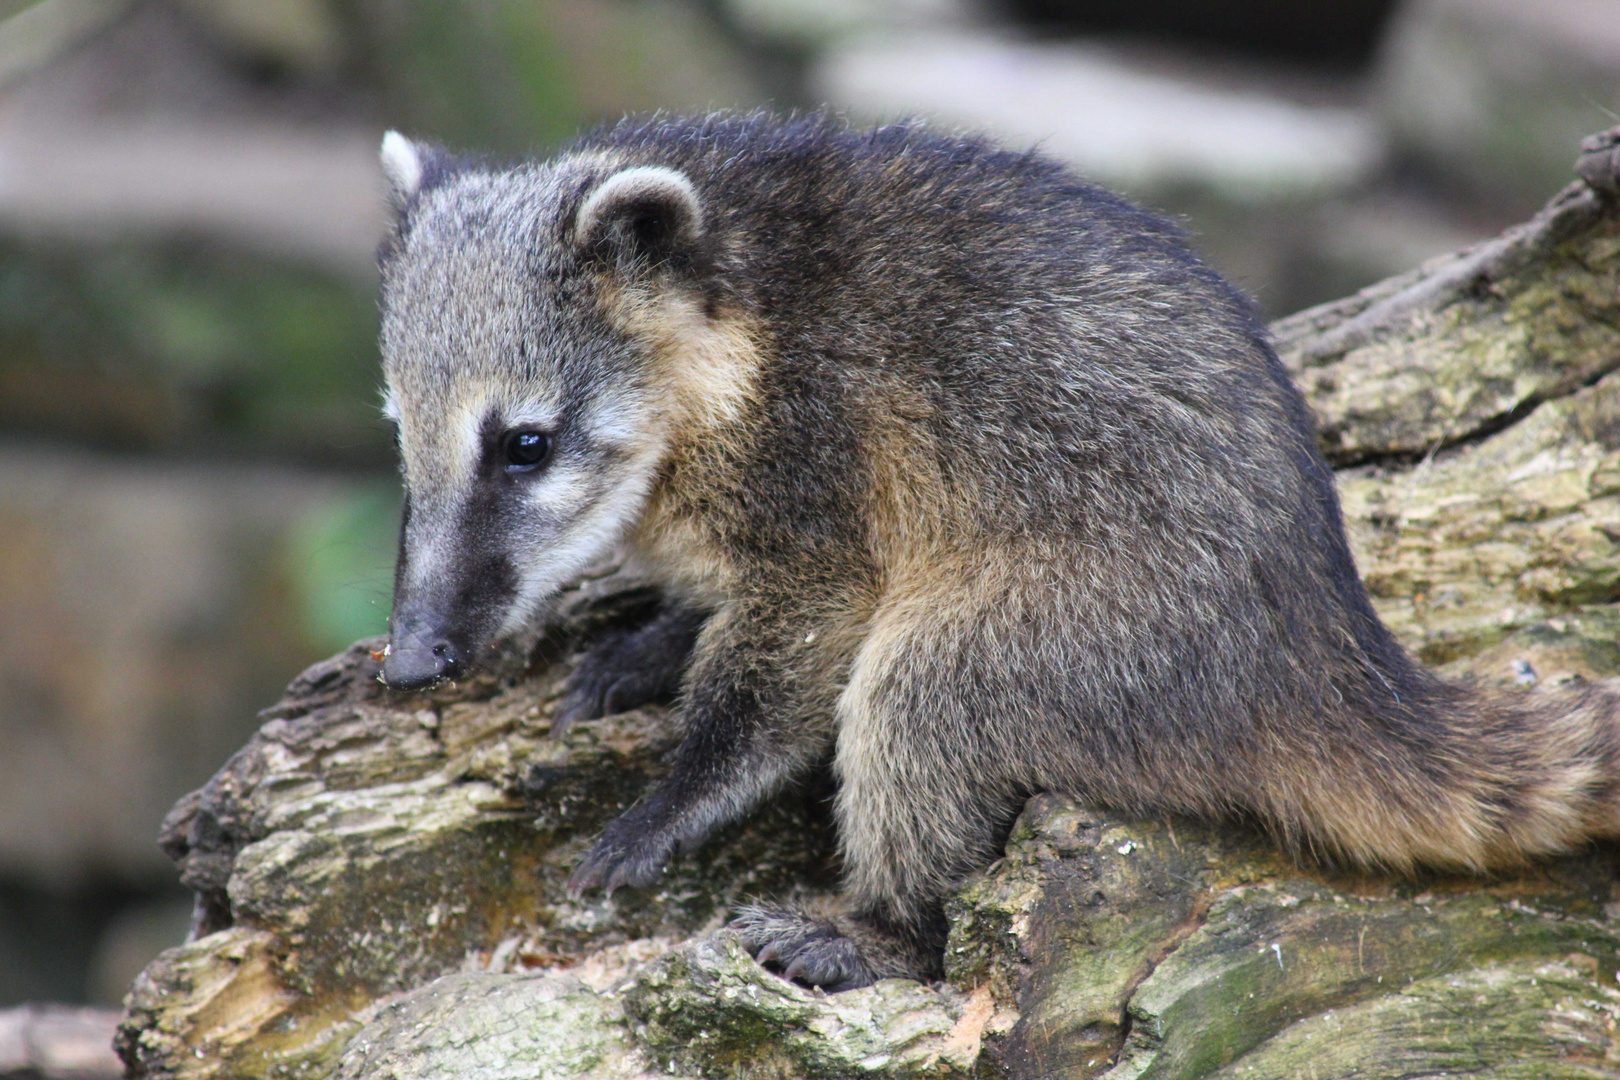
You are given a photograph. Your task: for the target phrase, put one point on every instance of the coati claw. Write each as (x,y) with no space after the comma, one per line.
(629,668)
(834,965)
(631,851)
(608,870)
(813,952)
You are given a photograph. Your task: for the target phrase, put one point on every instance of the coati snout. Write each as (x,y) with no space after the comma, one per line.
(953,466)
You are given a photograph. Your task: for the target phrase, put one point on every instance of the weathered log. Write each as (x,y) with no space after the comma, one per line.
(380,876)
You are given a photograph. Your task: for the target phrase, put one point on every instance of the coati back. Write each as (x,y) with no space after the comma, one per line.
(954,467)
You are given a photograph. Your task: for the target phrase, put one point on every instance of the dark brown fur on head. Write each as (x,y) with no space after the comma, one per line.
(956,468)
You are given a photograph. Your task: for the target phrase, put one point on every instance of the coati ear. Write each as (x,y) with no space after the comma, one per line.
(647,215)
(402,165)
(413,167)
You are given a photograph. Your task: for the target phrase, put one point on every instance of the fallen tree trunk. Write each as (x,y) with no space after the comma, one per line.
(379,876)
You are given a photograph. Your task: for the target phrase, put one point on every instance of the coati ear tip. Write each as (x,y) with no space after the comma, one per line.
(642,188)
(401,165)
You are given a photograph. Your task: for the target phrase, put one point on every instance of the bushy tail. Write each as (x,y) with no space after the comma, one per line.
(1468,779)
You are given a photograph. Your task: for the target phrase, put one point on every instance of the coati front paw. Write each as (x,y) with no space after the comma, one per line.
(814,952)
(633,851)
(629,668)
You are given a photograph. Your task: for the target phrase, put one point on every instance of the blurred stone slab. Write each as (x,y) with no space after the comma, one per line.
(58,1042)
(1124,124)
(1378,234)
(1490,95)
(291,191)
(147,128)
(162,122)
(811,24)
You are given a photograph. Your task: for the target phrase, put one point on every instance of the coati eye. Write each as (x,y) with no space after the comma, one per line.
(526,450)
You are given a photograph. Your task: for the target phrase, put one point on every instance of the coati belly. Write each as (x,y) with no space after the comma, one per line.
(958,470)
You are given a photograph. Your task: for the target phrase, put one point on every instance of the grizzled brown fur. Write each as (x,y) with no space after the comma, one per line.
(957,469)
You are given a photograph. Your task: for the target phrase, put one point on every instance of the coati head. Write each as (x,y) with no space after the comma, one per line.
(536,323)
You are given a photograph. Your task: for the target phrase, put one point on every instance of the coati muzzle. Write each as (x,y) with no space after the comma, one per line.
(421,651)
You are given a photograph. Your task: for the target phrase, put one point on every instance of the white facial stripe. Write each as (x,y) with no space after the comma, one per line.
(468,425)
(561,493)
(436,462)
(619,423)
(588,537)
(532,414)
(431,540)
(574,512)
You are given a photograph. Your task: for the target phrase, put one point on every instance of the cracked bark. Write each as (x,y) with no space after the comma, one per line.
(380,878)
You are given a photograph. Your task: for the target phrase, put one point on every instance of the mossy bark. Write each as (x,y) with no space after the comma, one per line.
(380,877)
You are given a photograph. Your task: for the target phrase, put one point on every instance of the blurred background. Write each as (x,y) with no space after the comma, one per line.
(197,495)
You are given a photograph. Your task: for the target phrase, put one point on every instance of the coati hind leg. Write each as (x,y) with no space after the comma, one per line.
(631,666)
(923,801)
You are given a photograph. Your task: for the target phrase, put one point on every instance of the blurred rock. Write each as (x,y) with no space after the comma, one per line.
(131,939)
(187,240)
(151,128)
(815,23)
(146,610)
(34,35)
(1347,243)
(188,349)
(299,194)
(1489,96)
(57,1042)
(1119,122)
(49,932)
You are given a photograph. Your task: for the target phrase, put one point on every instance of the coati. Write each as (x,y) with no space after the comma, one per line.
(954,467)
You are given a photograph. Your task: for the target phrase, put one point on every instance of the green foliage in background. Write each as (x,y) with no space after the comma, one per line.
(519,77)
(488,74)
(189,349)
(341,563)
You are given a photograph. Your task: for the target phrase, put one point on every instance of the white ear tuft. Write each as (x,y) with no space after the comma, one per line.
(402,165)
(642,189)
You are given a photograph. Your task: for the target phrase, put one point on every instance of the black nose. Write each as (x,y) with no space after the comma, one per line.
(416,661)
